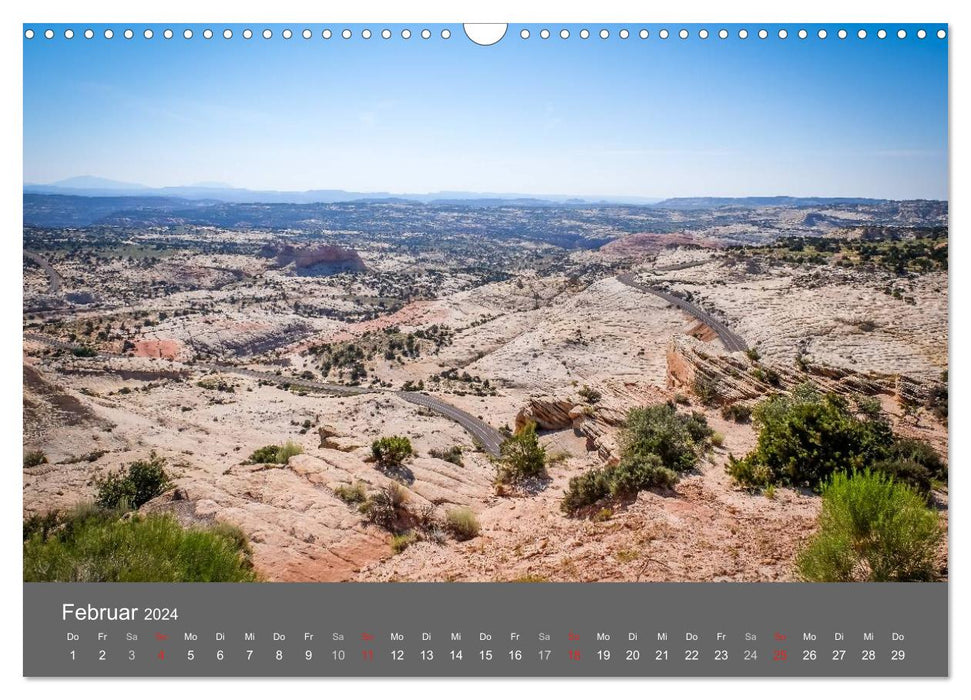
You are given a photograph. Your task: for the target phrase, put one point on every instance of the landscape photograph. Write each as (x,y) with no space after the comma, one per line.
(407,309)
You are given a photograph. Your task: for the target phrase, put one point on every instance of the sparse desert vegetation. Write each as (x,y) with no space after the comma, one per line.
(91,544)
(494,401)
(872,528)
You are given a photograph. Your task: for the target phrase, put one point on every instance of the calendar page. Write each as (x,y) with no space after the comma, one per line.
(389,349)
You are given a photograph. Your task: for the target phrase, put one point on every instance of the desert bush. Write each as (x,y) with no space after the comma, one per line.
(34,458)
(351,493)
(871,528)
(738,412)
(386,507)
(806,437)
(521,456)
(660,430)
(920,453)
(400,543)
(717,439)
(706,389)
(452,454)
(42,523)
(95,545)
(657,444)
(632,474)
(585,490)
(936,401)
(391,451)
(462,523)
(638,472)
(749,474)
(133,486)
(603,515)
(275,454)
(589,394)
(752,354)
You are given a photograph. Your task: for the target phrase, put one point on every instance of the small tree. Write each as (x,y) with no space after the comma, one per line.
(521,456)
(871,529)
(391,451)
(133,487)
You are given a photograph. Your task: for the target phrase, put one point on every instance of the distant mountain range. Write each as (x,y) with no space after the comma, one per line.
(753,202)
(89,186)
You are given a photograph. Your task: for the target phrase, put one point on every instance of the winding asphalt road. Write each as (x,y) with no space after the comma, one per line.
(54,279)
(490,438)
(731,340)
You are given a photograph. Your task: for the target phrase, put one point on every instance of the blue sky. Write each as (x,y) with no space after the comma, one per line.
(648,118)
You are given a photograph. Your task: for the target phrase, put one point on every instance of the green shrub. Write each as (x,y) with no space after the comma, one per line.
(638,472)
(603,515)
(738,412)
(95,545)
(752,354)
(275,454)
(717,439)
(706,389)
(585,490)
(400,543)
(521,456)
(806,437)
(589,394)
(662,431)
(34,458)
(42,523)
(462,523)
(748,473)
(83,351)
(871,529)
(657,444)
(351,493)
(391,451)
(386,507)
(634,473)
(452,454)
(920,453)
(133,486)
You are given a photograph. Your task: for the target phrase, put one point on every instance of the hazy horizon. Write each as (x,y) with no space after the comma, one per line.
(647,119)
(107,185)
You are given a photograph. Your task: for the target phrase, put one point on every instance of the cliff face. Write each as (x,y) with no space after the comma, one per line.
(316,261)
(732,378)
